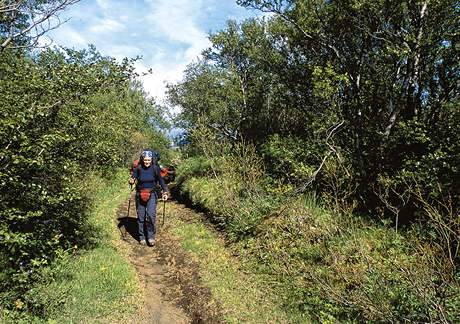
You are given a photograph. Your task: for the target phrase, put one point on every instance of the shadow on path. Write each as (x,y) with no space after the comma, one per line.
(128,226)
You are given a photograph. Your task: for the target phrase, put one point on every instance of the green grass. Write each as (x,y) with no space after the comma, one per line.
(314,264)
(244,297)
(87,286)
(96,286)
(107,201)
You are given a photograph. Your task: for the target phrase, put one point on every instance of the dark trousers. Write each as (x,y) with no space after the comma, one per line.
(146,214)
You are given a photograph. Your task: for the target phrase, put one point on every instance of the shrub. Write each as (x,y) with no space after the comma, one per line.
(327,265)
(63,114)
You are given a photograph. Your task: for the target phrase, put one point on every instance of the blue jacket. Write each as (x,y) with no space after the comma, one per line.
(147,178)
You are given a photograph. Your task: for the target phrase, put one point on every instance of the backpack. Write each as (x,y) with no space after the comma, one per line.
(168,173)
(134,166)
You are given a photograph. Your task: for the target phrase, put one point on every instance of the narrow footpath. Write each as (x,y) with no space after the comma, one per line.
(171,287)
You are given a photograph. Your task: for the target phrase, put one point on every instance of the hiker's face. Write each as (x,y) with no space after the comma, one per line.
(147,161)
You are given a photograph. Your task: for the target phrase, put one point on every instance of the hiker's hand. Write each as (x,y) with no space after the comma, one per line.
(165,196)
(131,181)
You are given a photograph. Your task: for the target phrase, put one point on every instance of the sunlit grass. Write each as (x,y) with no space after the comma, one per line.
(100,283)
(314,263)
(244,297)
(87,286)
(97,285)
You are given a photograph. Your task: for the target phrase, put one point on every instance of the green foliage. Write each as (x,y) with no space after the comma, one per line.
(358,100)
(291,158)
(359,90)
(330,266)
(194,167)
(63,115)
(83,285)
(237,177)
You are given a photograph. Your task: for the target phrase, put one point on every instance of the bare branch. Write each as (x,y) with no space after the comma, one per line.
(223,130)
(11,7)
(35,24)
(331,132)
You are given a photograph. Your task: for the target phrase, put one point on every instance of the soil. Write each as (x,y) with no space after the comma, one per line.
(172,291)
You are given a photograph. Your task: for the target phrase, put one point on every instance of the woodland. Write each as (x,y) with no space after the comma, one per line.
(353,105)
(323,139)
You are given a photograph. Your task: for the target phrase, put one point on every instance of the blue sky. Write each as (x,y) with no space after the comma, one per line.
(168,34)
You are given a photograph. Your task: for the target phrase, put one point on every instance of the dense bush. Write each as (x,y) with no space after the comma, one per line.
(358,100)
(326,265)
(63,114)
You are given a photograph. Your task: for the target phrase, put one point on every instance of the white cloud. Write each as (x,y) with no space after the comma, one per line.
(155,84)
(162,74)
(104,4)
(68,36)
(106,25)
(177,22)
(168,34)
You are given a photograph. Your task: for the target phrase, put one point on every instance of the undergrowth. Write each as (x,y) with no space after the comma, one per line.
(324,265)
(84,284)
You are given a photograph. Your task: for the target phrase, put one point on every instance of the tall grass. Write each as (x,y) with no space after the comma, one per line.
(324,265)
(84,286)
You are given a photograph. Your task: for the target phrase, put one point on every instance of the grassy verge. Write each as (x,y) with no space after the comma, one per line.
(83,286)
(244,297)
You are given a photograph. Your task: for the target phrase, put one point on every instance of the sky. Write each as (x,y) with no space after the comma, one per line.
(167,34)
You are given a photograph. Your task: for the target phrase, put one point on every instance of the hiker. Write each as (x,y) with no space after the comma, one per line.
(147,175)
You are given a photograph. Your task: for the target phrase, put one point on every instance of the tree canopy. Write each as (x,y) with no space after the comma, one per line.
(370,86)
(64,114)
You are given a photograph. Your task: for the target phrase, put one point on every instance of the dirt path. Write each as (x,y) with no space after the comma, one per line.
(171,288)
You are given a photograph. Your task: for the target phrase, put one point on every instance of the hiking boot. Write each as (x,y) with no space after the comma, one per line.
(151,242)
(142,242)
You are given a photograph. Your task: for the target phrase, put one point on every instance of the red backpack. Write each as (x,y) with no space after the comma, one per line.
(134,166)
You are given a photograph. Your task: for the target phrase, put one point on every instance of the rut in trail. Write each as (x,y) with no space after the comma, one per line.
(171,288)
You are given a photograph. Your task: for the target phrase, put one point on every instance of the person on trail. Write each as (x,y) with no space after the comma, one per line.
(147,175)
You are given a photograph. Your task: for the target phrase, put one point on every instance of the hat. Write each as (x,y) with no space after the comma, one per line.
(147,154)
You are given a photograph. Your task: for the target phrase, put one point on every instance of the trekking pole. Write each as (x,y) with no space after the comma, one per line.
(164,210)
(129,201)
(146,226)
(125,222)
